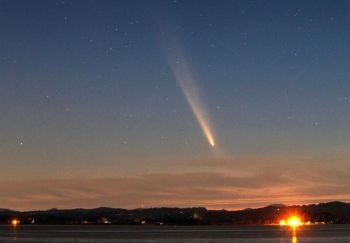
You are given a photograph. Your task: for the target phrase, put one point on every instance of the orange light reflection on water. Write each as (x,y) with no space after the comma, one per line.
(293,222)
(294,235)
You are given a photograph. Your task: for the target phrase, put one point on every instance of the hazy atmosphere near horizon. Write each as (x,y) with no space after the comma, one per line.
(129,104)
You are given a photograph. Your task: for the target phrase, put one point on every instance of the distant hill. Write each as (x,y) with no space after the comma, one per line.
(331,212)
(4,209)
(277,205)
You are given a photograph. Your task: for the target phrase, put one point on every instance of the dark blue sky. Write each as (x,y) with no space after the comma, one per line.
(87,89)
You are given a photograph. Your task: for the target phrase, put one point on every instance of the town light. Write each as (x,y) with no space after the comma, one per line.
(14,222)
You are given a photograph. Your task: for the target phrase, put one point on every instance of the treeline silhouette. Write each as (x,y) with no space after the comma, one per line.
(325,213)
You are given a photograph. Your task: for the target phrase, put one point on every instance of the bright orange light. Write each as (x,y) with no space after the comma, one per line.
(14,222)
(293,221)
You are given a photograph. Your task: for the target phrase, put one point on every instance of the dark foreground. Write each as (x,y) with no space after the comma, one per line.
(27,233)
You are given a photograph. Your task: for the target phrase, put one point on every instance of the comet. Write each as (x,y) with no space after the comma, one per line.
(187,83)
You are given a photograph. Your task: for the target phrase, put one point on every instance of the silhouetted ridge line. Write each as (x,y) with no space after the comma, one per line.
(332,212)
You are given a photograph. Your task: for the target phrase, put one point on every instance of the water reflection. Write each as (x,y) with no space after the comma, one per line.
(14,233)
(294,235)
(294,239)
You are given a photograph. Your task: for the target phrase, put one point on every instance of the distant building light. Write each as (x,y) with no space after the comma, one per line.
(15,222)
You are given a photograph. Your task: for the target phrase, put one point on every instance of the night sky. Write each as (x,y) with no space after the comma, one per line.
(109,103)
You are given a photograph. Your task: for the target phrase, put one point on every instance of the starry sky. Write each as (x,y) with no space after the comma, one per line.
(95,102)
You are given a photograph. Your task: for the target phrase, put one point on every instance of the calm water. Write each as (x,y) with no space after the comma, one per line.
(158,234)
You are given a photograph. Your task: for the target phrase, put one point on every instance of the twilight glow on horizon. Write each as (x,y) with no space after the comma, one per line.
(128,104)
